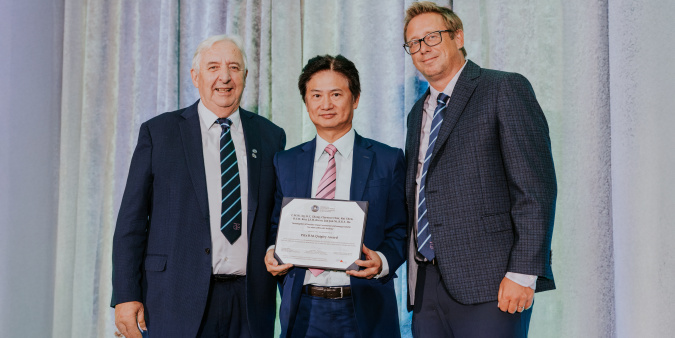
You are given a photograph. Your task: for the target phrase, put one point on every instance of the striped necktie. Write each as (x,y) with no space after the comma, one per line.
(326,189)
(424,243)
(230,217)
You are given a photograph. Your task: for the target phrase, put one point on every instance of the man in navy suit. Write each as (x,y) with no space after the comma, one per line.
(480,186)
(340,164)
(191,235)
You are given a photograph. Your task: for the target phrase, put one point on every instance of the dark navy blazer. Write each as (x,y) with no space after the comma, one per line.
(378,176)
(491,186)
(162,241)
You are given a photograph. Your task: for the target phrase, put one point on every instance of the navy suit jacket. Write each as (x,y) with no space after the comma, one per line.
(491,186)
(378,176)
(162,241)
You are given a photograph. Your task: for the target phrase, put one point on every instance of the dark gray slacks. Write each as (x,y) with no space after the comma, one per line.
(225,314)
(437,314)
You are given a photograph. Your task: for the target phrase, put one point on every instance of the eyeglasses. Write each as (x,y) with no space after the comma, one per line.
(432,39)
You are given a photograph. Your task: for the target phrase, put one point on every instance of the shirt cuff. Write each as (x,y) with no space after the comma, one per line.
(385,266)
(523,280)
(270,248)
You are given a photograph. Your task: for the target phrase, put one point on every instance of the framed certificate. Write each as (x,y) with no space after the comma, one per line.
(323,234)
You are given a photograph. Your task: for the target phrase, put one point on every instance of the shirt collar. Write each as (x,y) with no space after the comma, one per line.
(450,87)
(344,145)
(208,119)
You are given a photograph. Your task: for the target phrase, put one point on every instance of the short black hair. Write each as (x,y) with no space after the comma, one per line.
(338,64)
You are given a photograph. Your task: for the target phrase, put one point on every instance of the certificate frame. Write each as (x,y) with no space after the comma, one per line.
(312,237)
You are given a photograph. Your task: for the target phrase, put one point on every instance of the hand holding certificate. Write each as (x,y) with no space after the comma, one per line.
(325,234)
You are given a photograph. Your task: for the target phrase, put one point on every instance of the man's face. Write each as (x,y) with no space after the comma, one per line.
(329,102)
(221,78)
(438,63)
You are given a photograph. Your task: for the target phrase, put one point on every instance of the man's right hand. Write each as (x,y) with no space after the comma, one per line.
(273,265)
(128,316)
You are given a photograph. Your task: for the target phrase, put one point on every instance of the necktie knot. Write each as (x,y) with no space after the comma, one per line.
(442,99)
(330,149)
(224,123)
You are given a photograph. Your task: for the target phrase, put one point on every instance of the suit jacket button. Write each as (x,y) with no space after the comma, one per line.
(208,251)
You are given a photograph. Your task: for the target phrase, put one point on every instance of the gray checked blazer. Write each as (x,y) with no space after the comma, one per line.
(491,186)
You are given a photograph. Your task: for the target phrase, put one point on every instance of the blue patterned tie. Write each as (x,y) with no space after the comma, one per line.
(424,243)
(230,218)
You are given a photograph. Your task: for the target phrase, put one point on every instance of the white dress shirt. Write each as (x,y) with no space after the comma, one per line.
(226,258)
(343,163)
(429,106)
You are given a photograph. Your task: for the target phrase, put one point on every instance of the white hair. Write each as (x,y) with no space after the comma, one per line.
(210,41)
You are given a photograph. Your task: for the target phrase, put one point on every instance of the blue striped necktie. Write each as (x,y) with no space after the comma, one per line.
(425,244)
(230,217)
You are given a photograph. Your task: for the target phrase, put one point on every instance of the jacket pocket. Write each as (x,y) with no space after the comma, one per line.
(155,262)
(497,222)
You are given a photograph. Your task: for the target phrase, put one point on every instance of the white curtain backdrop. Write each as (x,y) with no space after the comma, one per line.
(602,71)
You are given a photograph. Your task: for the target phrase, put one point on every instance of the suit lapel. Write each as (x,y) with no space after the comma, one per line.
(192,144)
(253,143)
(362,160)
(460,96)
(304,168)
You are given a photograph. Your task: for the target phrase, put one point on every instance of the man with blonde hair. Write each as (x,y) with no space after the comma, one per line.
(192,229)
(481,189)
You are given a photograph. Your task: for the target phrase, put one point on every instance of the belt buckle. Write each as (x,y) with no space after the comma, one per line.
(342,295)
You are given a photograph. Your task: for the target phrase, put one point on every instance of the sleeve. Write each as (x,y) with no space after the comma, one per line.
(130,237)
(528,163)
(278,196)
(276,212)
(396,222)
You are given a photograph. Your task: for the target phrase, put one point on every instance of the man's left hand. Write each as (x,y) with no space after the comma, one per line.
(514,297)
(372,265)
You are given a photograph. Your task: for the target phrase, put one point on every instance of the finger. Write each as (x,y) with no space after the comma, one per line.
(123,328)
(500,294)
(521,305)
(285,267)
(132,331)
(141,318)
(367,252)
(513,307)
(280,269)
(529,303)
(269,258)
(504,305)
(367,273)
(129,328)
(365,264)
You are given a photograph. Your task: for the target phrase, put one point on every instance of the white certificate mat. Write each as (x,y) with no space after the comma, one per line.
(318,233)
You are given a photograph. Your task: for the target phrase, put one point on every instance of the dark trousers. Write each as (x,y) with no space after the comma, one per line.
(225,314)
(322,317)
(437,314)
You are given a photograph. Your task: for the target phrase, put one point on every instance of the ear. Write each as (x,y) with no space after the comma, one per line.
(356,102)
(459,38)
(195,76)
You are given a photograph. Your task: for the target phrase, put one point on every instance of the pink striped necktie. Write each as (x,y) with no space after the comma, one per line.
(326,189)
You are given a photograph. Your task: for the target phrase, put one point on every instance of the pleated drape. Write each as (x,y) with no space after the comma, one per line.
(602,72)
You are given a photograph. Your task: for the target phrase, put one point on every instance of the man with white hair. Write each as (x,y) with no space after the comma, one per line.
(191,234)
